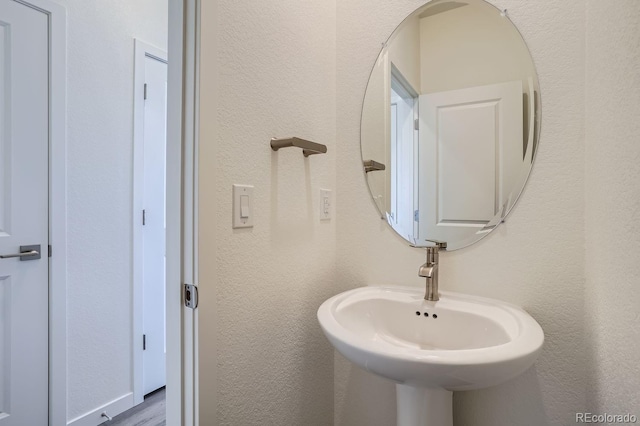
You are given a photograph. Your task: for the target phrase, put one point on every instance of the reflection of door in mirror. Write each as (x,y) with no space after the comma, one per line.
(403,149)
(463,74)
(462,192)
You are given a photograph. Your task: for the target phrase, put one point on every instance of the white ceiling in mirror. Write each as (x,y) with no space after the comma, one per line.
(452,112)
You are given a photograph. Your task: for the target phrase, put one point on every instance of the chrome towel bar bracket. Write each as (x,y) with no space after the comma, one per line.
(308,147)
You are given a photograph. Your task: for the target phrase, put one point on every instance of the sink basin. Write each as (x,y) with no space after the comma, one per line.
(430,349)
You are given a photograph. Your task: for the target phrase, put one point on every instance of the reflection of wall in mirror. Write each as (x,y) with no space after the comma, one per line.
(376,132)
(475,37)
(403,51)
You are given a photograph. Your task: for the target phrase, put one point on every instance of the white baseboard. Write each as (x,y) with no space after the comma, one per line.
(113,408)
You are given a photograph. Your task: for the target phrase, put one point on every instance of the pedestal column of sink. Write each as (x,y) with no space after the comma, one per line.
(424,406)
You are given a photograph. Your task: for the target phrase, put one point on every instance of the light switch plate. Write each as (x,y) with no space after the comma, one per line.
(242,217)
(326,204)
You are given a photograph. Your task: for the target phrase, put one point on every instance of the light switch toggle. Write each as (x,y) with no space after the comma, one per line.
(242,206)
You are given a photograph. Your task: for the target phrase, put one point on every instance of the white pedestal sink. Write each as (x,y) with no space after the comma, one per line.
(431,349)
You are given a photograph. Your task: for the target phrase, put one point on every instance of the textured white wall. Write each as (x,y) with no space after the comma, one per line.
(535,260)
(613,206)
(274,65)
(404,51)
(99,176)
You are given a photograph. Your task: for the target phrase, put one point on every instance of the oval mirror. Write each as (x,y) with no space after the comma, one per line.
(450,123)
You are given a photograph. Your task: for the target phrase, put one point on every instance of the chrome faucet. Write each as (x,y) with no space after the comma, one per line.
(430,271)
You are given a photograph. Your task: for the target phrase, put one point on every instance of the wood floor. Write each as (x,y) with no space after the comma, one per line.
(149,413)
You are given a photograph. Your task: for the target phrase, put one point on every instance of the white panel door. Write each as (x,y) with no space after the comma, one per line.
(471,151)
(24,139)
(155,124)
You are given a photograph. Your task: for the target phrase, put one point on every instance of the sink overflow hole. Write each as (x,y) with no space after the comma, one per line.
(426,314)
(435,316)
(417,313)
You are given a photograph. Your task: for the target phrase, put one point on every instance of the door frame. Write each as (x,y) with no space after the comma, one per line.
(57,206)
(142,51)
(182,125)
(183,31)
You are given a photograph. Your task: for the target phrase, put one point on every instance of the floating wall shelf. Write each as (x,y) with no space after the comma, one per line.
(308,147)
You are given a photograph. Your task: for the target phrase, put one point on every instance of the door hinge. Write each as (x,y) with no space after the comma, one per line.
(49,250)
(144,342)
(416,215)
(144,217)
(190,295)
(416,123)
(145,91)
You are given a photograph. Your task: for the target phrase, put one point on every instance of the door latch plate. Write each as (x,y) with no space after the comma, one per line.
(190,296)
